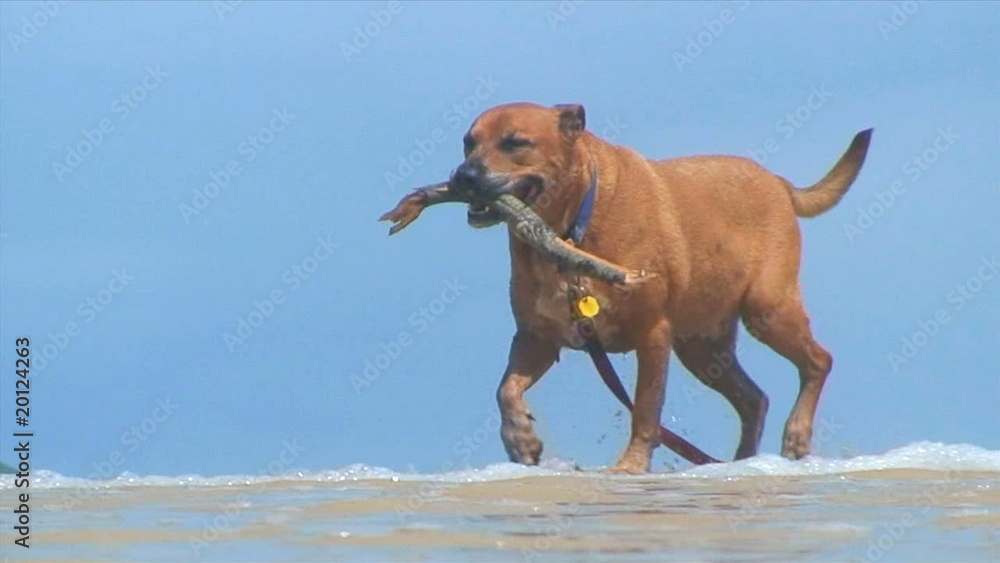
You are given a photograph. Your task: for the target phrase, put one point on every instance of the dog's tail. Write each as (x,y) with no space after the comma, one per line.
(820,197)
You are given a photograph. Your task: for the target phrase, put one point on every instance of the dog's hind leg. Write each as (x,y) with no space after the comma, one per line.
(778,319)
(530,357)
(713,361)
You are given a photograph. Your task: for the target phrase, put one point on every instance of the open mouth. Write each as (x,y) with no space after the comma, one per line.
(527,190)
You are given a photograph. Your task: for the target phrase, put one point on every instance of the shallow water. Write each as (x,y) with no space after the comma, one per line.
(923,502)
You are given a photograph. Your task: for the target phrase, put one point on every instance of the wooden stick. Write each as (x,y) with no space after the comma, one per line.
(527,225)
(536,232)
(409,208)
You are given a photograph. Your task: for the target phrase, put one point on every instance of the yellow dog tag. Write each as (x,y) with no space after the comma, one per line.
(588,306)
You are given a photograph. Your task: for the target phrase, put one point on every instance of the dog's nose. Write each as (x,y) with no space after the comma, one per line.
(469,174)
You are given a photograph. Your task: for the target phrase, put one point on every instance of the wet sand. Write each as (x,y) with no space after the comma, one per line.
(886,515)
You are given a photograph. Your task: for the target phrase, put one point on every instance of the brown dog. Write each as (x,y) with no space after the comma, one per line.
(719,235)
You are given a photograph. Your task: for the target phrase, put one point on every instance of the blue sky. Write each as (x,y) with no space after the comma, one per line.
(176,172)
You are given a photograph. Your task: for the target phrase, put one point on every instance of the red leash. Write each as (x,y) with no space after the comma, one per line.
(682,447)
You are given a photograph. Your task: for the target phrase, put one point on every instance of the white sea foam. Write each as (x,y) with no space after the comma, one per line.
(930,456)
(922,455)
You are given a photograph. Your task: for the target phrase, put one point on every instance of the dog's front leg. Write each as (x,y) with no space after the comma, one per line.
(653,353)
(530,357)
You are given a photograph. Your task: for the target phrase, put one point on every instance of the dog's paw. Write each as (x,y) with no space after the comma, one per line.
(627,469)
(632,462)
(795,446)
(526,450)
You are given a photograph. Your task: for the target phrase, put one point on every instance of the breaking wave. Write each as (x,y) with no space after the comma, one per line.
(928,456)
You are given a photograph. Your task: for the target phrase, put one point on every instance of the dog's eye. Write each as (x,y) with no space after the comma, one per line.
(511,144)
(470,144)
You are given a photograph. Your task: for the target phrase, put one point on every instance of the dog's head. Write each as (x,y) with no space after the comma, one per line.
(523,149)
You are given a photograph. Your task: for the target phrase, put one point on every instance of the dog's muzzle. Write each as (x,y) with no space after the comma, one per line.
(482,186)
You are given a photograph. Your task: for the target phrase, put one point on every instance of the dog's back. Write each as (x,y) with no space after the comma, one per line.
(739,223)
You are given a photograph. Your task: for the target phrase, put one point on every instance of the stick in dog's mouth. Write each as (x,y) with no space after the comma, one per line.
(482,214)
(526,224)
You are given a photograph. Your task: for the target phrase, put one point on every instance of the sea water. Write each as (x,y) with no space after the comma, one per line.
(920,502)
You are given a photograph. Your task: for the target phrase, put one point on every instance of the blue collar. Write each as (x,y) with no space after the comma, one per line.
(579,228)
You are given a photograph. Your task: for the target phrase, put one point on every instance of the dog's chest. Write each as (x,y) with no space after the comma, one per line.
(551,301)
(552,308)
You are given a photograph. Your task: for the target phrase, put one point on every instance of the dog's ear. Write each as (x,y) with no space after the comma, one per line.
(572,118)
